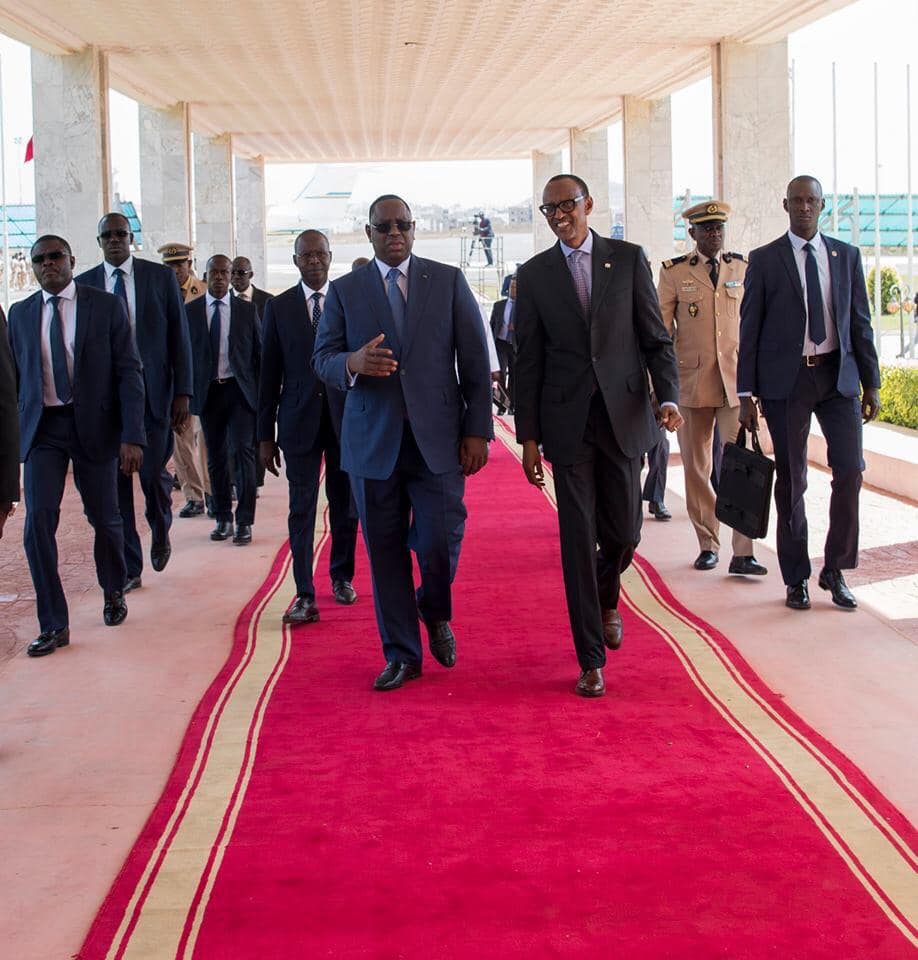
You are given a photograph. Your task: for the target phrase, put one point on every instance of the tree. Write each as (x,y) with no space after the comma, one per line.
(889,278)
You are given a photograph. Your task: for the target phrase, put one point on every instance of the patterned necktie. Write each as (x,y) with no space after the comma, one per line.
(713,271)
(215,337)
(59,355)
(580,281)
(814,309)
(316,311)
(396,300)
(120,289)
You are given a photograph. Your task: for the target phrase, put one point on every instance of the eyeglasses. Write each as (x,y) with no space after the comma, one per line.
(242,273)
(565,206)
(385,226)
(321,255)
(39,258)
(120,234)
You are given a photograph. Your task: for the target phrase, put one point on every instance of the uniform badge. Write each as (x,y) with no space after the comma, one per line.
(693,309)
(733,283)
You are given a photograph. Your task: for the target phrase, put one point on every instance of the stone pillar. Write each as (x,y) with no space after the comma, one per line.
(648,149)
(251,235)
(753,146)
(544,166)
(214,204)
(165,176)
(72,156)
(590,160)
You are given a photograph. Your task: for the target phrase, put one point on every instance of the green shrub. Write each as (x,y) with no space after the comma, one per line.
(889,278)
(899,394)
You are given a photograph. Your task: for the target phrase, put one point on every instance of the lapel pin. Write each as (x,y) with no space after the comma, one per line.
(608,266)
(834,253)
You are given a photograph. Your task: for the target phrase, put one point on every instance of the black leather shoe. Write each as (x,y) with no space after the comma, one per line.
(133,583)
(834,581)
(798,596)
(302,610)
(395,674)
(344,592)
(659,511)
(442,642)
(115,609)
(176,483)
(209,506)
(159,555)
(243,535)
(747,567)
(48,642)
(612,628)
(193,508)
(706,560)
(222,531)
(591,683)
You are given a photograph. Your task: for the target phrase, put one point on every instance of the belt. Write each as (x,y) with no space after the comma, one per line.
(223,381)
(59,409)
(817,359)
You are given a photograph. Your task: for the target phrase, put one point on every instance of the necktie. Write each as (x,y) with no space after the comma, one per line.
(215,341)
(712,271)
(396,300)
(580,282)
(316,311)
(59,355)
(120,289)
(814,310)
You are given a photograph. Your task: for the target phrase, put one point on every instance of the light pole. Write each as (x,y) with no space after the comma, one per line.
(900,298)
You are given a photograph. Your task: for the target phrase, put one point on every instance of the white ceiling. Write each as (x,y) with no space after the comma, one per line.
(345,80)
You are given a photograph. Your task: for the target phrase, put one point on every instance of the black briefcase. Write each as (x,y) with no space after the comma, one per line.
(744,490)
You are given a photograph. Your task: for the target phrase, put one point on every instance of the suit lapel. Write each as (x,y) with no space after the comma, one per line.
(375,289)
(603,265)
(563,280)
(37,308)
(789,260)
(141,281)
(418,292)
(301,332)
(700,272)
(83,319)
(833,274)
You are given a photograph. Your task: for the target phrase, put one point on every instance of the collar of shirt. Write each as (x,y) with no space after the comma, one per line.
(246,294)
(703,259)
(798,242)
(68,293)
(127,267)
(308,291)
(212,300)
(586,246)
(384,268)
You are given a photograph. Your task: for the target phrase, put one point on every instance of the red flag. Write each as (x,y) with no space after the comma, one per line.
(29,151)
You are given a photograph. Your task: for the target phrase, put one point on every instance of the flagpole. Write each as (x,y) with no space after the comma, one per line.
(6,219)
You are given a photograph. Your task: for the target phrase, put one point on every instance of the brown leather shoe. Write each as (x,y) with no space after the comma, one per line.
(591,683)
(612,628)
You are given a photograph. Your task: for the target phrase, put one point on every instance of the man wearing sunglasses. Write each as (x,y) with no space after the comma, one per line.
(150,294)
(81,401)
(588,332)
(404,337)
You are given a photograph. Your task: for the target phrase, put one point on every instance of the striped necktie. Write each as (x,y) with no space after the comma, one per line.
(580,281)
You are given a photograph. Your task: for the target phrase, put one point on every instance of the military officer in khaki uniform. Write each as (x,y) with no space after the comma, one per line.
(700,296)
(189,454)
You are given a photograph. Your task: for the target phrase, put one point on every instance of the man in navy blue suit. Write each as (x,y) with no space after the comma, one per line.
(81,400)
(403,336)
(154,306)
(307,417)
(806,347)
(226,351)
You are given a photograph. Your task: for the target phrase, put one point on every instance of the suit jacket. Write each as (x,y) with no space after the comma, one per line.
(261,298)
(443,382)
(562,355)
(290,394)
(9,420)
(704,323)
(108,396)
(244,349)
(160,331)
(497,321)
(773,321)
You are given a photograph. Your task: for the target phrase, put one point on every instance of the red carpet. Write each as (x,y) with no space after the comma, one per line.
(487,812)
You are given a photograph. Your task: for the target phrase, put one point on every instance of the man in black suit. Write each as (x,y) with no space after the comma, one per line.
(806,347)
(81,400)
(588,331)
(503,327)
(243,286)
(9,428)
(151,296)
(226,347)
(307,417)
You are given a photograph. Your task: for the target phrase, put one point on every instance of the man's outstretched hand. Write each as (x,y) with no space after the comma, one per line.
(372,360)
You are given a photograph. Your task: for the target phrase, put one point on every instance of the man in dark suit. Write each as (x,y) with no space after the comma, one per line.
(81,400)
(405,338)
(9,428)
(503,327)
(226,348)
(150,294)
(588,331)
(307,417)
(806,347)
(243,286)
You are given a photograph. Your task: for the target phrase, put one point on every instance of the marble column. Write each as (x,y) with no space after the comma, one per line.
(251,235)
(71,137)
(753,145)
(648,151)
(214,203)
(544,166)
(165,176)
(590,161)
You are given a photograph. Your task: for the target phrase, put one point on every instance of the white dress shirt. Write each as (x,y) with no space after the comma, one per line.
(245,295)
(402,268)
(224,370)
(67,310)
(825,286)
(309,293)
(129,289)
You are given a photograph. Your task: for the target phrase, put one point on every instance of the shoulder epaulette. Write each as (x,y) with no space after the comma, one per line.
(733,256)
(671,263)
